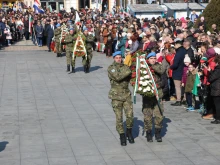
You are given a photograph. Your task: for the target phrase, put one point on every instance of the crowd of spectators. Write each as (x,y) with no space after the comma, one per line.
(186,47)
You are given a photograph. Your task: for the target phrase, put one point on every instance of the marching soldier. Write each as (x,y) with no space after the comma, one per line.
(69,49)
(57,36)
(89,48)
(151,107)
(119,75)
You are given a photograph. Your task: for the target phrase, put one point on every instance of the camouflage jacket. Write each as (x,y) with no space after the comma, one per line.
(89,43)
(158,70)
(57,35)
(119,76)
(69,38)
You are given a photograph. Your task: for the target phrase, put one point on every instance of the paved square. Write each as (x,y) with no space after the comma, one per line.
(50,117)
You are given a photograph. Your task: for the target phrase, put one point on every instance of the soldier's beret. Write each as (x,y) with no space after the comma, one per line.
(152,54)
(116,53)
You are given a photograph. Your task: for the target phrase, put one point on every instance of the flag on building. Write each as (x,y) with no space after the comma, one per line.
(37,7)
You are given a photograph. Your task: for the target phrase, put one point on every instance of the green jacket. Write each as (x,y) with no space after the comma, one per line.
(69,41)
(158,71)
(190,82)
(57,34)
(119,76)
(89,43)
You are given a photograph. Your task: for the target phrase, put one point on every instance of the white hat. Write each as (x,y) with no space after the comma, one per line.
(124,34)
(129,42)
(217,50)
(187,59)
(116,21)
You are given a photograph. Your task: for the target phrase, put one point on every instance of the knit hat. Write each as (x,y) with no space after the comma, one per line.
(217,50)
(210,53)
(203,59)
(187,59)
(123,34)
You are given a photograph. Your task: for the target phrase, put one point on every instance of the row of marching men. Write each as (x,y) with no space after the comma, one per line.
(76,43)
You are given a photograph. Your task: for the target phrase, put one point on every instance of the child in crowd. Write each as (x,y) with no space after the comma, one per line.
(187,61)
(191,74)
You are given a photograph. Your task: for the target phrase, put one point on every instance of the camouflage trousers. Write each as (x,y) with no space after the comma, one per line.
(58,47)
(69,57)
(85,61)
(118,107)
(150,109)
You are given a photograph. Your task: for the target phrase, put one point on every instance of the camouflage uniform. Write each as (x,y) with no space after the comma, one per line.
(150,105)
(89,48)
(69,47)
(57,34)
(119,76)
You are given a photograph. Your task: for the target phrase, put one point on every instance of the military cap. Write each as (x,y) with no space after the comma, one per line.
(116,53)
(152,54)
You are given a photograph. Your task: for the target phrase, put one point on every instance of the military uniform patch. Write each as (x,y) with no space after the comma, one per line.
(113,70)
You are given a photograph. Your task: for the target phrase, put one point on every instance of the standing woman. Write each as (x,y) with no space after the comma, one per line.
(39,31)
(214,79)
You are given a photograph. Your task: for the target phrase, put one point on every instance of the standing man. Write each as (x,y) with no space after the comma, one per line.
(50,33)
(119,75)
(57,36)
(89,48)
(151,107)
(26,28)
(69,41)
(177,68)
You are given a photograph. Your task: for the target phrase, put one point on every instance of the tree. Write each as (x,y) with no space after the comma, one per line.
(211,14)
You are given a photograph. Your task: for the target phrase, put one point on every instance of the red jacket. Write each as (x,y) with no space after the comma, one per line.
(170,58)
(212,65)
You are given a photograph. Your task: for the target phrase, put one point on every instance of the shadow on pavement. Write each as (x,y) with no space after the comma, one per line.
(3,145)
(92,68)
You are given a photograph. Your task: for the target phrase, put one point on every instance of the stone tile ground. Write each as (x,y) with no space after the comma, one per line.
(49,117)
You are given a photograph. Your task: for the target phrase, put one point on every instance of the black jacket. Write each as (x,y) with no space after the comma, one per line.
(178,63)
(190,53)
(49,31)
(214,79)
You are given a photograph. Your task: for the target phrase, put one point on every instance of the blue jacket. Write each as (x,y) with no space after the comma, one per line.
(49,31)
(121,46)
(39,30)
(178,63)
(2,27)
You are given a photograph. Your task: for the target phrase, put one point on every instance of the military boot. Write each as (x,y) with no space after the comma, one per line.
(129,135)
(149,136)
(58,55)
(85,68)
(123,139)
(157,135)
(73,69)
(68,68)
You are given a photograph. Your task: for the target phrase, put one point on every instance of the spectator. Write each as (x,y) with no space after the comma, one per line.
(39,35)
(177,68)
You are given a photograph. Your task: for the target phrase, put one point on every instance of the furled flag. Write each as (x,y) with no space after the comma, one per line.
(37,7)
(30,23)
(77,19)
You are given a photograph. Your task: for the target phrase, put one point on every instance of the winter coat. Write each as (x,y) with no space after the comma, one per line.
(134,46)
(39,31)
(190,81)
(184,76)
(214,79)
(121,46)
(178,63)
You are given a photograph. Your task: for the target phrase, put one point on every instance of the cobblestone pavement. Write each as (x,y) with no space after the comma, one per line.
(50,117)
